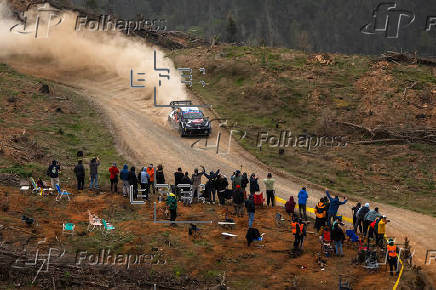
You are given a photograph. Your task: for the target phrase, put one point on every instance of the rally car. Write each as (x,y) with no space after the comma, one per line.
(188,120)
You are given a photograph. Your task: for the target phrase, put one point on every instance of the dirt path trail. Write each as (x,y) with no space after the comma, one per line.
(144,135)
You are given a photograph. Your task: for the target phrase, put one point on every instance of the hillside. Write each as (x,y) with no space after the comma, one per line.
(277,89)
(38,126)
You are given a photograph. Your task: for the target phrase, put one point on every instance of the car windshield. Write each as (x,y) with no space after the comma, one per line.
(193,115)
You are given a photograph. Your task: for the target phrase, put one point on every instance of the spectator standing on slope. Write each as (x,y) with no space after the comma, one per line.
(269,185)
(93,172)
(53,172)
(114,171)
(79,171)
(302,200)
(334,206)
(124,176)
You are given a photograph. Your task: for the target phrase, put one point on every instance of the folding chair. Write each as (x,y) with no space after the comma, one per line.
(107,226)
(68,228)
(38,189)
(201,198)
(187,195)
(259,199)
(61,193)
(94,221)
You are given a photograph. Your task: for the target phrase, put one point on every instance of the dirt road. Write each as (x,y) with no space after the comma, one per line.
(143,134)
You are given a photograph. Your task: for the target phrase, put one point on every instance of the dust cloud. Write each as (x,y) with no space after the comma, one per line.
(91,55)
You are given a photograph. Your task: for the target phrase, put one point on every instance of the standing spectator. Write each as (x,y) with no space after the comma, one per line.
(238,201)
(254,185)
(368,223)
(334,206)
(269,184)
(150,171)
(355,209)
(392,251)
(251,209)
(290,205)
(133,181)
(339,237)
(160,177)
(381,231)
(301,233)
(124,176)
(93,172)
(79,171)
(143,180)
(196,181)
(210,184)
(302,200)
(172,205)
(237,179)
(320,214)
(361,213)
(221,187)
(186,179)
(244,182)
(53,172)
(114,171)
(178,175)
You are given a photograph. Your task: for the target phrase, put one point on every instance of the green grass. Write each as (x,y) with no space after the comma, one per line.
(59,135)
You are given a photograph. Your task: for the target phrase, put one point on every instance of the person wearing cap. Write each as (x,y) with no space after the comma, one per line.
(269,185)
(381,231)
(238,200)
(354,211)
(114,171)
(302,200)
(150,171)
(370,217)
(196,181)
(392,251)
(221,187)
(172,206)
(361,217)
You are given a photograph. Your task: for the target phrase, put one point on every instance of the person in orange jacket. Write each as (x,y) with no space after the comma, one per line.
(150,171)
(392,256)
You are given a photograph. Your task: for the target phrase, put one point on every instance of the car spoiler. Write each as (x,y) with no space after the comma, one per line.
(176,104)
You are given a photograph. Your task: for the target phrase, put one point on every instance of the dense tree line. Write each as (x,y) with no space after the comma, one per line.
(313,25)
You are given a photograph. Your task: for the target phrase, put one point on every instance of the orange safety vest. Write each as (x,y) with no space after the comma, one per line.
(150,172)
(320,212)
(392,251)
(301,228)
(294,227)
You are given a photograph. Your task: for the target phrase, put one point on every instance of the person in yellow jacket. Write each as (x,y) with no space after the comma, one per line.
(321,214)
(380,231)
(392,251)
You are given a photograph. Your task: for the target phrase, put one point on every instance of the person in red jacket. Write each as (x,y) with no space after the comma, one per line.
(290,206)
(114,171)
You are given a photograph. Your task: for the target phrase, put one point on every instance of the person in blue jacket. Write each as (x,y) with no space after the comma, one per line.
(124,176)
(302,200)
(334,206)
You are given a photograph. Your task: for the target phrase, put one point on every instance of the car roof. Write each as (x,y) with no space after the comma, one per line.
(190,109)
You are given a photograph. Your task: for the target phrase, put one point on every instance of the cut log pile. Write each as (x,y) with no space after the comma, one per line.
(409,58)
(381,135)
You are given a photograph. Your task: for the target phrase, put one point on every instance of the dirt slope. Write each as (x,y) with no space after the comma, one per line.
(142,133)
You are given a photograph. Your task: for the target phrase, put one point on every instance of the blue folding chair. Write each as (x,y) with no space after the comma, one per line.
(61,193)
